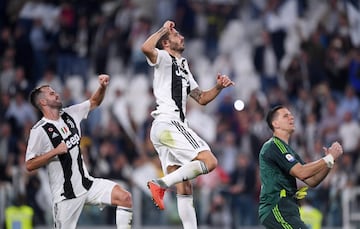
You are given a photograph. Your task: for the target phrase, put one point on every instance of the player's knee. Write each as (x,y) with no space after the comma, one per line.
(123,198)
(212,163)
(208,159)
(209,165)
(127,200)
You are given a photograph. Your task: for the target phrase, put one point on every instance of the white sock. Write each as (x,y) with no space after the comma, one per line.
(185,172)
(186,211)
(123,217)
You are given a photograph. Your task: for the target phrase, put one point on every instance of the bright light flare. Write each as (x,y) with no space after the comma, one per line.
(239,105)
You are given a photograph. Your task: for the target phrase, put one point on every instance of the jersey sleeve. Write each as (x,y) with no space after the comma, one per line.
(38,143)
(193,83)
(158,59)
(79,111)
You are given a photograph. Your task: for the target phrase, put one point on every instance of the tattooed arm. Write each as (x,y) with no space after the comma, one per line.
(204,97)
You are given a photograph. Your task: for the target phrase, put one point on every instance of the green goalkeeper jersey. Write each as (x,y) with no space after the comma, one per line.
(276,159)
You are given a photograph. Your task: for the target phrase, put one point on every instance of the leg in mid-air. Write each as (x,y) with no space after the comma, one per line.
(106,192)
(204,163)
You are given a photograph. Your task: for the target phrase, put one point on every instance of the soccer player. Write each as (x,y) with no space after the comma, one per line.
(183,154)
(54,142)
(280,166)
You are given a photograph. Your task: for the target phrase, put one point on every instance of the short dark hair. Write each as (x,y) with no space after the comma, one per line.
(34,95)
(271,115)
(164,37)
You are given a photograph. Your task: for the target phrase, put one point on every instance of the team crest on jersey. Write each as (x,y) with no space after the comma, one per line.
(180,68)
(289,157)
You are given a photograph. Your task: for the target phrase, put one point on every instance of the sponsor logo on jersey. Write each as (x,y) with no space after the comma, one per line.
(72,141)
(289,157)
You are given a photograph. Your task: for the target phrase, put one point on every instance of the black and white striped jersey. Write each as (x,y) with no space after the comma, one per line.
(172,83)
(68,175)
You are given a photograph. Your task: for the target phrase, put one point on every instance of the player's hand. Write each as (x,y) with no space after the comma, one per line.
(335,150)
(61,148)
(104,80)
(169,25)
(223,81)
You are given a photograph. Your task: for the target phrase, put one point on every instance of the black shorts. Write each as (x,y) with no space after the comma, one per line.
(285,215)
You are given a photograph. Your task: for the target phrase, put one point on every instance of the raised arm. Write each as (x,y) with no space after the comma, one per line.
(148,48)
(204,97)
(98,96)
(315,172)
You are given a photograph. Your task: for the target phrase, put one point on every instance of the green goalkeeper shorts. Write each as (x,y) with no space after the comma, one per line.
(285,215)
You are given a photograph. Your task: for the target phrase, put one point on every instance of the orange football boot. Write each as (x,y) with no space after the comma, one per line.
(157,194)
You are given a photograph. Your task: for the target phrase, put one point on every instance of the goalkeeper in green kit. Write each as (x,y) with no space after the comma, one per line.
(280,166)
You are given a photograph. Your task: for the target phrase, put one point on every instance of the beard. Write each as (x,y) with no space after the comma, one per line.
(55,104)
(177,47)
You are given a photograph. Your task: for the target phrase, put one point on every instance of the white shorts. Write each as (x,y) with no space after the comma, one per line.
(175,143)
(67,212)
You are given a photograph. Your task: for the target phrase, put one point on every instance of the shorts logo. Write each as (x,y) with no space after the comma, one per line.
(289,157)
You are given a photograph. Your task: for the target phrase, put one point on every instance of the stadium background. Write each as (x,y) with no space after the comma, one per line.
(305,54)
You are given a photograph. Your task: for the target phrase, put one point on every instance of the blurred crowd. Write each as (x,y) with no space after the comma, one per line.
(300,53)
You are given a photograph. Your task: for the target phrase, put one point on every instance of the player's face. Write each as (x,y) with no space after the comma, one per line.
(285,120)
(177,42)
(51,98)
